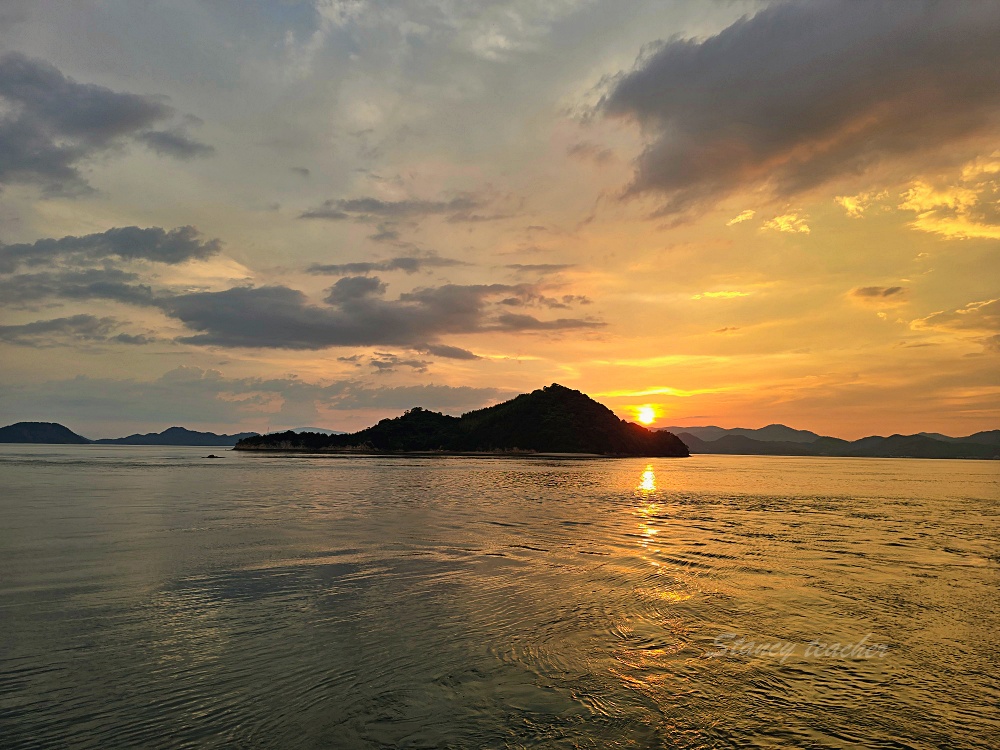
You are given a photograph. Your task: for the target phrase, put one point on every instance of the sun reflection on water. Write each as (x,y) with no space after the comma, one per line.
(647,483)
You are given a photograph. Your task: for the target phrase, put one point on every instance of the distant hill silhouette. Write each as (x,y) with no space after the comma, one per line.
(554,419)
(894,446)
(773,433)
(40,432)
(744,446)
(989,437)
(57,434)
(178,436)
(318,430)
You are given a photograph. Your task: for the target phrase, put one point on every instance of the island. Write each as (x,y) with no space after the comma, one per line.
(178,436)
(779,440)
(50,433)
(53,433)
(551,420)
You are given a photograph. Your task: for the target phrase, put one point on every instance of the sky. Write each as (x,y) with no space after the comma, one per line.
(256,215)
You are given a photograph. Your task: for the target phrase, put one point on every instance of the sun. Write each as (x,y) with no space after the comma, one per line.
(647,415)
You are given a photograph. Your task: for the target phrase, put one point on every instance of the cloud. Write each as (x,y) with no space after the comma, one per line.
(803,93)
(354,288)
(387,362)
(372,209)
(969,208)
(193,396)
(28,289)
(50,124)
(791,223)
(856,205)
(356,315)
(126,243)
(720,295)
(174,143)
(514,322)
(530,268)
(450,399)
(60,331)
(386,234)
(526,298)
(975,316)
(741,217)
(877,292)
(444,351)
(586,151)
(405,264)
(981,320)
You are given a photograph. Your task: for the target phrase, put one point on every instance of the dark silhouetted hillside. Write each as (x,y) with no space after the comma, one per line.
(40,432)
(894,446)
(987,437)
(554,419)
(773,433)
(744,446)
(178,436)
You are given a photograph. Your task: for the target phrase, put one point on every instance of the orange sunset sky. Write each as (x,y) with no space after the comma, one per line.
(260,215)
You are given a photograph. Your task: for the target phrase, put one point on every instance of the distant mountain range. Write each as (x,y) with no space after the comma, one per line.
(773,440)
(771,433)
(779,440)
(554,419)
(52,433)
(177,436)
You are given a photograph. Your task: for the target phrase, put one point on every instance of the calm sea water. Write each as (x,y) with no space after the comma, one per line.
(153,598)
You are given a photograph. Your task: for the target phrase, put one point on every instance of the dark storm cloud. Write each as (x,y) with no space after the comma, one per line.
(878,292)
(56,331)
(371,209)
(28,289)
(357,315)
(51,123)
(805,92)
(127,243)
(405,264)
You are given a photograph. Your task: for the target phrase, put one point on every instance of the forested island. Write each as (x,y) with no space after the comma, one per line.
(554,419)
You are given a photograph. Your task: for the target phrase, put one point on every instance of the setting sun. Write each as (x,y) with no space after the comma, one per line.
(646,414)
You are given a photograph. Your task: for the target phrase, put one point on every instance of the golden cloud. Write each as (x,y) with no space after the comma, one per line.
(792,223)
(741,217)
(856,205)
(968,209)
(720,295)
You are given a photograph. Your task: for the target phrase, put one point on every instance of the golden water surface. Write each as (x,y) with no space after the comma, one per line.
(153,598)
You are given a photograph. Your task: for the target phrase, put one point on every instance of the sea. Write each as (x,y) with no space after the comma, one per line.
(151,597)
